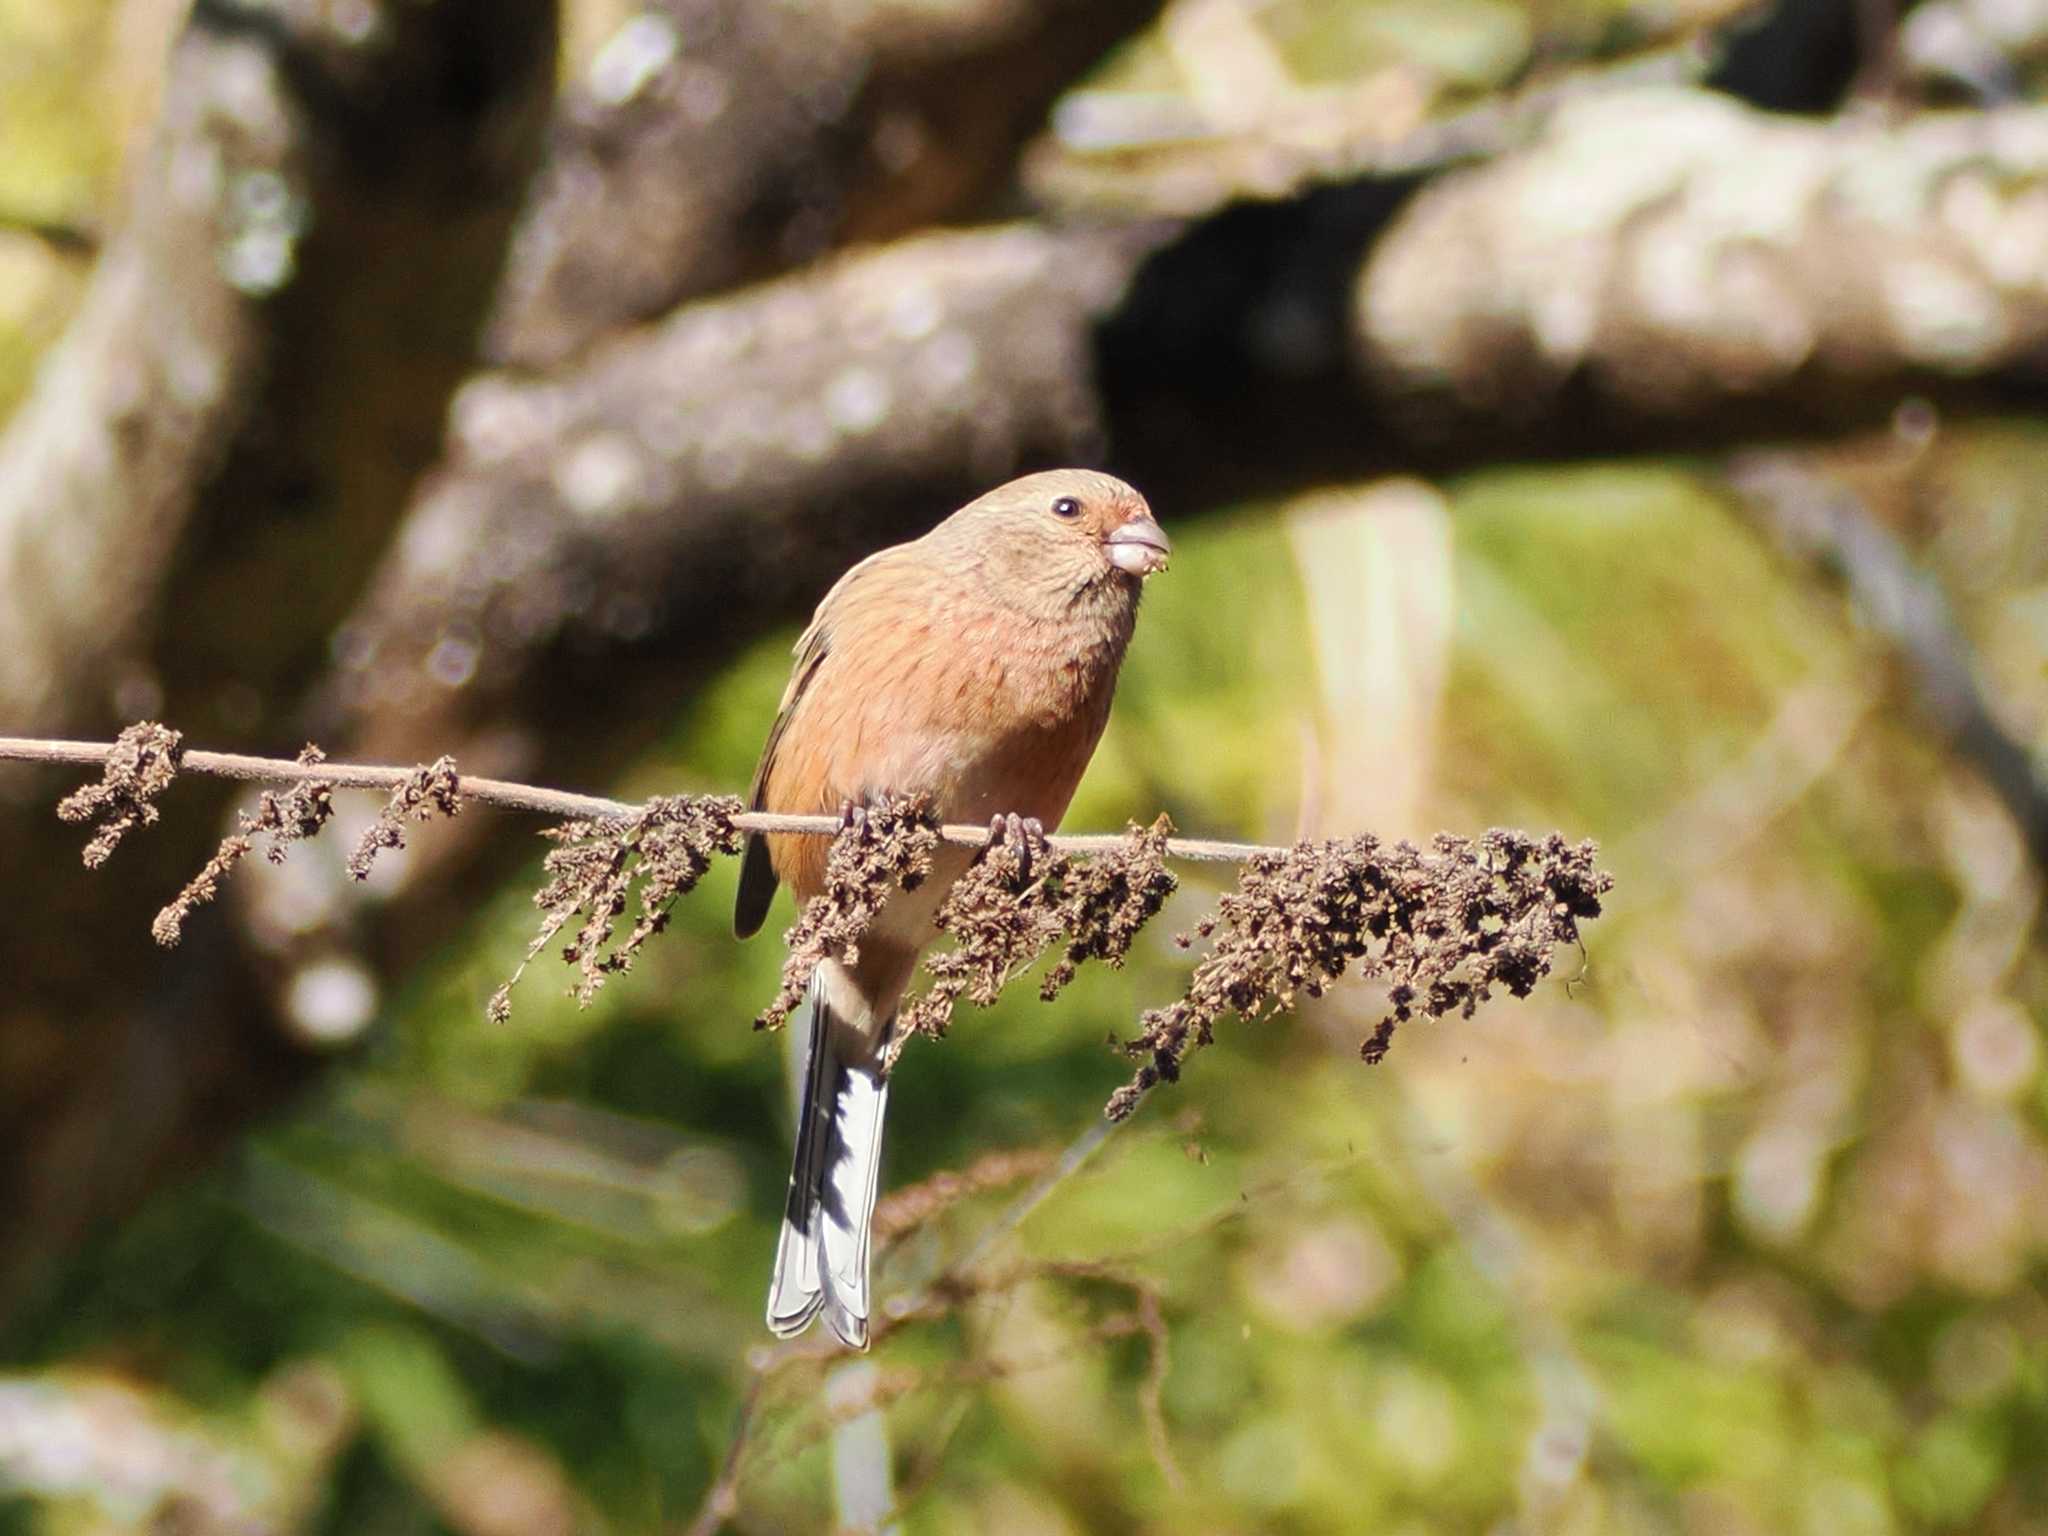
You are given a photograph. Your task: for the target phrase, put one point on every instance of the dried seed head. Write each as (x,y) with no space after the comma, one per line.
(432,791)
(1002,918)
(1445,927)
(1015,903)
(140,767)
(886,848)
(293,816)
(666,846)
(1109,898)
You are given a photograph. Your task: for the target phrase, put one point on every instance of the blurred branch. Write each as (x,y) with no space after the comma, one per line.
(717,142)
(1170,159)
(213,455)
(60,235)
(934,1298)
(722,1499)
(1636,277)
(1984,49)
(1077,1156)
(1824,520)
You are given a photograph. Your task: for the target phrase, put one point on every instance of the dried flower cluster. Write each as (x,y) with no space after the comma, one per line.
(140,767)
(1107,899)
(883,848)
(666,846)
(433,790)
(1444,926)
(1019,899)
(293,816)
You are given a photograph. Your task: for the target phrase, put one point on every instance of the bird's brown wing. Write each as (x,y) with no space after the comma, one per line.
(757,873)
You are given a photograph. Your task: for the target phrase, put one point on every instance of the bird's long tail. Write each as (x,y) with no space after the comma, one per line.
(821,1263)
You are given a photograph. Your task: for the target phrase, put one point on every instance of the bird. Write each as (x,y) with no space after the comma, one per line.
(975,666)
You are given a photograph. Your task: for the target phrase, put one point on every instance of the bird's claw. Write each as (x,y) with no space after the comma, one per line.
(853,817)
(1024,833)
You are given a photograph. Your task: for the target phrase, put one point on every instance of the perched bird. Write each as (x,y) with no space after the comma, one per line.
(974,665)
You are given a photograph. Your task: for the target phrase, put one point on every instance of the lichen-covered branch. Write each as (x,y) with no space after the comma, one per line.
(1672,256)
(716,142)
(1632,280)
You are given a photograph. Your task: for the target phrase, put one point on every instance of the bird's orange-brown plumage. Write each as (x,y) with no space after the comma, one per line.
(974,665)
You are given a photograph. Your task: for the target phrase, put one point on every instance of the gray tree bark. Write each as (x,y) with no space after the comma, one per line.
(190,499)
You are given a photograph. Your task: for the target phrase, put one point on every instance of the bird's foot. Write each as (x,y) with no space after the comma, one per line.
(853,817)
(1024,833)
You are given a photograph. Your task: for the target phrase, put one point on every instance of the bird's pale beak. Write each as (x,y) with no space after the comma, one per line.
(1139,547)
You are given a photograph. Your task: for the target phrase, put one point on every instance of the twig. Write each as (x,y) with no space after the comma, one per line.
(1827,521)
(722,1498)
(721,1501)
(1152,1391)
(558,802)
(1078,1153)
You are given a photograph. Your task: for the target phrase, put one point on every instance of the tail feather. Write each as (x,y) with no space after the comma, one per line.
(821,1260)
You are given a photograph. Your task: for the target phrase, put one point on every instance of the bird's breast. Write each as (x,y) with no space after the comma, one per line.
(982,710)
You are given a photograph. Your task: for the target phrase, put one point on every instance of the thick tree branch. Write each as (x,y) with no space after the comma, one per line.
(213,456)
(1671,260)
(716,142)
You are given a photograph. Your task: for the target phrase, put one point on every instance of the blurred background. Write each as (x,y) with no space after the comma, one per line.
(1615,417)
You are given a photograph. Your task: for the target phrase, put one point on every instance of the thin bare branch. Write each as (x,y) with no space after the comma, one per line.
(722,1498)
(558,802)
(1823,519)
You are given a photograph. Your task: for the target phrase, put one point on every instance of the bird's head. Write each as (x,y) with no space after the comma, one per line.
(1075,527)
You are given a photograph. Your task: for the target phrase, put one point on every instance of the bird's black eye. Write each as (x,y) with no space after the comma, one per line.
(1066,506)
